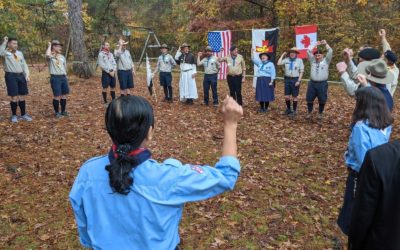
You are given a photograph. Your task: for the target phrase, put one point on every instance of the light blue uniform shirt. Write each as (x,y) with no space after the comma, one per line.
(148,217)
(265,68)
(362,139)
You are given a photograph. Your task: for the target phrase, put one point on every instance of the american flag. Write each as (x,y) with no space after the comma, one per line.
(218,40)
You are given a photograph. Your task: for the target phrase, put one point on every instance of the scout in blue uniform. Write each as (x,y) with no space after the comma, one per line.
(127,200)
(58,77)
(371,127)
(17,77)
(265,89)
(165,64)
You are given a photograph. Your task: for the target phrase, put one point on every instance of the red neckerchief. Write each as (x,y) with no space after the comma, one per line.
(106,50)
(132,153)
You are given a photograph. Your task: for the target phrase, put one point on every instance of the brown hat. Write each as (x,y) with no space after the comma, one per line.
(294,50)
(185,45)
(164,46)
(376,71)
(56,42)
(208,48)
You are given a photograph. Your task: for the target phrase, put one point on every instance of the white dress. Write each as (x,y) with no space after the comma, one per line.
(187,84)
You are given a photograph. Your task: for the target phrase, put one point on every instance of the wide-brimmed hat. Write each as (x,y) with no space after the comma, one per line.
(265,53)
(294,50)
(208,48)
(56,42)
(369,54)
(376,71)
(164,46)
(185,45)
(390,56)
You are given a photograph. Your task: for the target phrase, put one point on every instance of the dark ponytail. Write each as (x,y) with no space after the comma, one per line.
(128,120)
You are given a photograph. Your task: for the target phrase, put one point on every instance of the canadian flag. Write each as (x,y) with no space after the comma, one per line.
(305,36)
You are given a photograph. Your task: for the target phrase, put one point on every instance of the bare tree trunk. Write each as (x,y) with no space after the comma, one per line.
(80,65)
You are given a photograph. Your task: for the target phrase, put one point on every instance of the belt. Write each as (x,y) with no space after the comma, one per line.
(57,75)
(291,78)
(235,75)
(187,70)
(319,81)
(15,74)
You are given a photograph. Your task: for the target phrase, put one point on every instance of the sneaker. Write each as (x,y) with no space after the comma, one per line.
(309,116)
(65,113)
(320,116)
(215,104)
(205,103)
(14,119)
(293,114)
(58,115)
(26,118)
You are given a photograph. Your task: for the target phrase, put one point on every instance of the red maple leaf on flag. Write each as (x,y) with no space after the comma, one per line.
(265,48)
(306,41)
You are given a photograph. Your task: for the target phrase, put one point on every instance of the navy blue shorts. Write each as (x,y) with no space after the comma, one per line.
(165,78)
(317,90)
(16,84)
(59,85)
(107,80)
(125,78)
(290,87)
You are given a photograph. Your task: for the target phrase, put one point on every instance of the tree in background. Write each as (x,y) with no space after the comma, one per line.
(80,65)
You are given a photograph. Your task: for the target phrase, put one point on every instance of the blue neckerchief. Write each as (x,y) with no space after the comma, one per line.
(208,59)
(140,158)
(263,64)
(291,65)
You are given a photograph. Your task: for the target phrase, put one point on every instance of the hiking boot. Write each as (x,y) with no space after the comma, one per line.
(309,116)
(59,115)
(320,117)
(65,113)
(26,118)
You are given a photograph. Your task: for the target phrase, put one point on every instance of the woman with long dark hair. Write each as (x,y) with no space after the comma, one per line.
(371,127)
(126,200)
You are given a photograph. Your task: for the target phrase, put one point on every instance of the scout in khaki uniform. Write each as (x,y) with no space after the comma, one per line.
(58,77)
(318,85)
(293,70)
(236,73)
(211,68)
(17,77)
(126,69)
(391,58)
(165,64)
(108,68)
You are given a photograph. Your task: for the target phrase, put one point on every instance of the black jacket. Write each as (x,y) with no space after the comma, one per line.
(375,222)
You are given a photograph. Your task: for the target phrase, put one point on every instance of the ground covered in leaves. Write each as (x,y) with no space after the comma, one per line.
(287,197)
